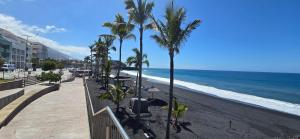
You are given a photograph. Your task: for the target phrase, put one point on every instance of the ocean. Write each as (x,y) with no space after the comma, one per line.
(277,91)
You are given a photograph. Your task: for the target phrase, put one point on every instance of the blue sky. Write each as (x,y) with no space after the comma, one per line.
(247,35)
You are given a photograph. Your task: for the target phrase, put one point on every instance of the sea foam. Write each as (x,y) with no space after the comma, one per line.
(267,103)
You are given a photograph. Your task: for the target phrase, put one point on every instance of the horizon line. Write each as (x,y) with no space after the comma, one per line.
(226,70)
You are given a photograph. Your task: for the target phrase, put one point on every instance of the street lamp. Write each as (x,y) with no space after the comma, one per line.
(25,59)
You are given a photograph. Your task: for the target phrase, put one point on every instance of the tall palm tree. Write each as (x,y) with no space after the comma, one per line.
(122,30)
(171,36)
(107,43)
(139,13)
(133,60)
(98,52)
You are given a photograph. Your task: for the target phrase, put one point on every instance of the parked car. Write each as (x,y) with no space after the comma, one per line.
(8,67)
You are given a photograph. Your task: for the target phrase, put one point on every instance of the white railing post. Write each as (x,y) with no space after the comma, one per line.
(107,132)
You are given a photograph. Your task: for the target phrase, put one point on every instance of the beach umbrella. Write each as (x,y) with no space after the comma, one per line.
(152,90)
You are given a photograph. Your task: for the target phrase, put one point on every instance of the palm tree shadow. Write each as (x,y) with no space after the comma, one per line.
(184,126)
(129,121)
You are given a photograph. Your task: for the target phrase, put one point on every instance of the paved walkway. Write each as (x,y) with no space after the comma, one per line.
(60,114)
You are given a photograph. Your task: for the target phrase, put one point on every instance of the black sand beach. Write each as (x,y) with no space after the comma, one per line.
(207,117)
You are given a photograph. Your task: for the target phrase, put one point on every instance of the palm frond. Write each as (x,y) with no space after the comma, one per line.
(148,8)
(170,33)
(130,5)
(136,51)
(150,26)
(131,60)
(130,36)
(146,62)
(108,24)
(139,12)
(187,31)
(134,59)
(159,40)
(119,18)
(91,47)
(145,56)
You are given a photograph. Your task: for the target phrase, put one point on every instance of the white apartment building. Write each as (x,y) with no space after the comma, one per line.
(19,52)
(39,51)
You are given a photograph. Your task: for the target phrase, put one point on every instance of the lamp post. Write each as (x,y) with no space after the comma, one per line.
(25,59)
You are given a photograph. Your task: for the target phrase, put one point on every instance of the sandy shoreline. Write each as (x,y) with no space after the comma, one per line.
(209,117)
(268,103)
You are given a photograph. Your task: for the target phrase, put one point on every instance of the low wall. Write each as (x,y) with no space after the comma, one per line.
(9,98)
(26,102)
(69,79)
(11,85)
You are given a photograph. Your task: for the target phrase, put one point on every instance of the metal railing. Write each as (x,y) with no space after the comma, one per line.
(103,124)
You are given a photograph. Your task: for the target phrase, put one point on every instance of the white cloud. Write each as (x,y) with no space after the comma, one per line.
(46,29)
(19,28)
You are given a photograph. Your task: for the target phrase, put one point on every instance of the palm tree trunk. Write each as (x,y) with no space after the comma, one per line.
(176,119)
(106,70)
(97,68)
(136,83)
(140,73)
(102,73)
(118,74)
(170,94)
(120,60)
(106,76)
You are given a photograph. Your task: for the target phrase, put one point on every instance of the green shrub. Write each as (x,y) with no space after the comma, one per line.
(48,65)
(50,76)
(60,65)
(52,64)
(178,110)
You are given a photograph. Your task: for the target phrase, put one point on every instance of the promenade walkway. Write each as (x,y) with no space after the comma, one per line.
(60,114)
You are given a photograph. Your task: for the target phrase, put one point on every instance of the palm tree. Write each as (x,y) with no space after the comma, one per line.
(107,41)
(87,60)
(115,94)
(98,52)
(139,13)
(178,111)
(107,70)
(171,36)
(133,60)
(122,30)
